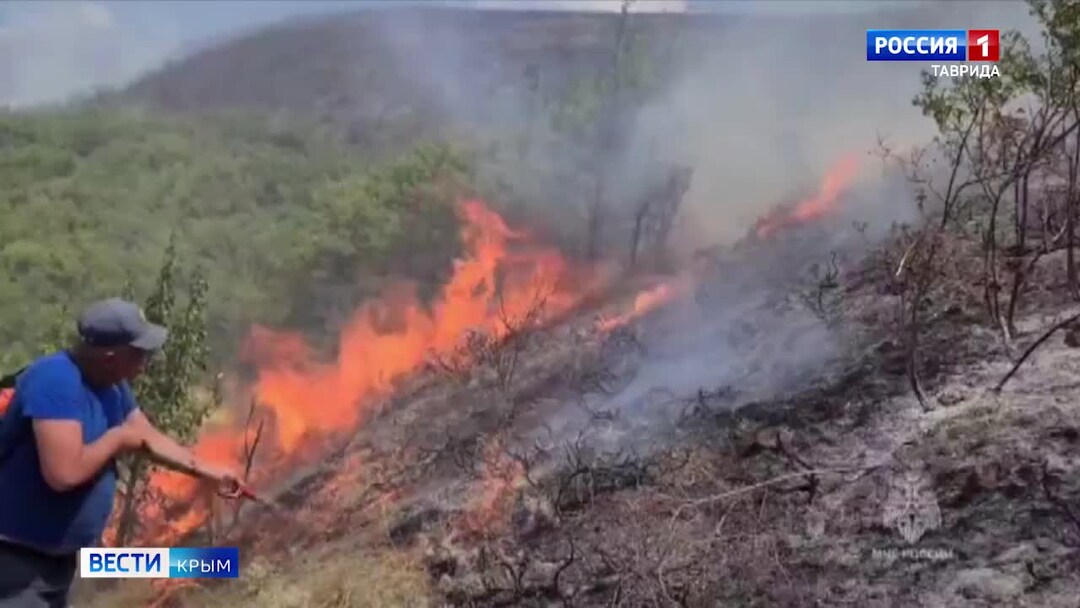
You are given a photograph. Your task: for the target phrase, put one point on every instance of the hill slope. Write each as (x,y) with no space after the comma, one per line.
(368,67)
(375,66)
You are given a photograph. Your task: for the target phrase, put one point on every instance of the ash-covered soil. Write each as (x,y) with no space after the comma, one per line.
(767,457)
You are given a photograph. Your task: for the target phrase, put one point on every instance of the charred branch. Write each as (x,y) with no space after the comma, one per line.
(1034,345)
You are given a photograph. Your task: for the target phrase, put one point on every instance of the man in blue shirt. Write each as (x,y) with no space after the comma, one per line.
(72,414)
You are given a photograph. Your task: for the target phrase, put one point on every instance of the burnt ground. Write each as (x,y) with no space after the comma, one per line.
(757,490)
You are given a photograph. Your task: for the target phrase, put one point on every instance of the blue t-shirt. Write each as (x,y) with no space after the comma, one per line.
(31,512)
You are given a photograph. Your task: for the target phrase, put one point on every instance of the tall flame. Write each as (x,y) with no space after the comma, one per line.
(390,338)
(500,277)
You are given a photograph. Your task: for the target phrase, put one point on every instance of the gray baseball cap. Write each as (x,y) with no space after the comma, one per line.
(116,322)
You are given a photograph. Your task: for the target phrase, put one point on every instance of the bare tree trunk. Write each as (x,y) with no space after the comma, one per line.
(595,222)
(922,286)
(605,138)
(1070,214)
(1020,194)
(993,284)
(677,188)
(532,77)
(950,199)
(1070,253)
(635,236)
(667,204)
(1019,271)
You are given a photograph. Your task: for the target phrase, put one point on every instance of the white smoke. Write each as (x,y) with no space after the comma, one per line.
(766,109)
(761,105)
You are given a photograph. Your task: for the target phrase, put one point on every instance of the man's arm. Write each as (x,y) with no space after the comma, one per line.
(168,452)
(54,403)
(66,462)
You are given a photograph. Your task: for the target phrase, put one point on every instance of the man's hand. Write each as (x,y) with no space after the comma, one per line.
(173,455)
(225,480)
(219,473)
(134,434)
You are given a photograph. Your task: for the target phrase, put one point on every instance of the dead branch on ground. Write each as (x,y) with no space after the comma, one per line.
(499,576)
(601,369)
(586,474)
(721,496)
(1034,345)
(698,406)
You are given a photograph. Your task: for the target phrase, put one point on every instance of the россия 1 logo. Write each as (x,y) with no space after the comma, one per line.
(939,45)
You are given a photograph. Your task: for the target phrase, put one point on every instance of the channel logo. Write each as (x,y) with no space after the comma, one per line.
(933,45)
(176,562)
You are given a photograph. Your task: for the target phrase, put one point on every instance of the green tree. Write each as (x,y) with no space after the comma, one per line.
(91,196)
(396,221)
(168,391)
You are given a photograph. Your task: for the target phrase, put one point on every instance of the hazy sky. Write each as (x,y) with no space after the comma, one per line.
(50,50)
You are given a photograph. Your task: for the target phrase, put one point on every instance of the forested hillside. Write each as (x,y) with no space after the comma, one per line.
(298,168)
(271,213)
(296,181)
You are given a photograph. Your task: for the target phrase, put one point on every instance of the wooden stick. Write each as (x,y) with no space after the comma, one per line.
(187,468)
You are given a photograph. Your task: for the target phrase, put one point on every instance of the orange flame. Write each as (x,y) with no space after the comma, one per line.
(501,477)
(390,338)
(837,180)
(499,278)
(646,302)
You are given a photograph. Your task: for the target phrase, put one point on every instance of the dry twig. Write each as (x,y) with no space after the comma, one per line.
(706,500)
(1034,345)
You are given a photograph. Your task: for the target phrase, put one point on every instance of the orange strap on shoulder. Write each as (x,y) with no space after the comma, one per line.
(6,395)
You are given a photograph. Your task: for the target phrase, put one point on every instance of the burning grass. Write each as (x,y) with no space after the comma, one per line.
(501,477)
